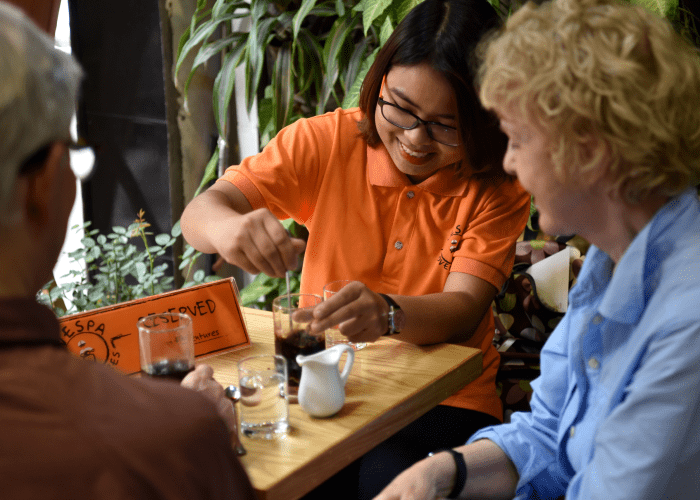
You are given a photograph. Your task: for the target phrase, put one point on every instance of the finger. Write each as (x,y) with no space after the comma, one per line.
(196,378)
(286,246)
(262,252)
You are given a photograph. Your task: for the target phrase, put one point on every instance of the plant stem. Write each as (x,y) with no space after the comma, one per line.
(150,257)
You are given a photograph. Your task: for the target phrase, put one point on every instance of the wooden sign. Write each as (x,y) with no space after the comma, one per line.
(109,335)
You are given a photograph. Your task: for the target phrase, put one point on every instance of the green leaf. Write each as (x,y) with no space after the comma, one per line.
(121,230)
(141,270)
(340,7)
(399,8)
(352,98)
(200,35)
(206,52)
(176,230)
(257,43)
(210,172)
(224,85)
(332,51)
(664,8)
(304,9)
(309,53)
(282,83)
(355,62)
(386,31)
(251,293)
(163,239)
(199,275)
(372,10)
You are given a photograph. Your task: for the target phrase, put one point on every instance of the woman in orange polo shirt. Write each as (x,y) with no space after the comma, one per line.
(405,195)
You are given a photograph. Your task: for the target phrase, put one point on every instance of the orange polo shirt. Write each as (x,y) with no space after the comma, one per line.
(368,223)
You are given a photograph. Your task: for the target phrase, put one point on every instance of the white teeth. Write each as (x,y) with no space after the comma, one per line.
(413,153)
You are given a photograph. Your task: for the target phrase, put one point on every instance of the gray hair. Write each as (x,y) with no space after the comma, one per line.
(38,92)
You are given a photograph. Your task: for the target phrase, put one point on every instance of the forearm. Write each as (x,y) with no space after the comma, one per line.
(205,215)
(490,475)
(440,317)
(450,316)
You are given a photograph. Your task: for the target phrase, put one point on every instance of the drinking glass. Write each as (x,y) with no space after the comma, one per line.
(333,335)
(263,403)
(166,345)
(292,316)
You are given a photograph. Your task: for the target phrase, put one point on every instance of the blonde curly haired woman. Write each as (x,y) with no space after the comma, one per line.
(600,101)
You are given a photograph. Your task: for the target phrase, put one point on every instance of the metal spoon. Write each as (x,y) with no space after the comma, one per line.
(234,395)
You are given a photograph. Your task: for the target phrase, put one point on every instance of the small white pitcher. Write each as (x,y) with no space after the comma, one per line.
(322,387)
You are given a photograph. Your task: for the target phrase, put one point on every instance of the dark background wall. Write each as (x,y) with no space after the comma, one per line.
(122,111)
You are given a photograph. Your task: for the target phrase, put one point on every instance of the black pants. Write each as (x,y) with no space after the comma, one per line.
(441,427)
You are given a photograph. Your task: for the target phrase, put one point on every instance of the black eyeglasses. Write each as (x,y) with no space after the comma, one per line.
(403,118)
(38,158)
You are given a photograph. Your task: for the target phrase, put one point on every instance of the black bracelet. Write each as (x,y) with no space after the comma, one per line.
(461,477)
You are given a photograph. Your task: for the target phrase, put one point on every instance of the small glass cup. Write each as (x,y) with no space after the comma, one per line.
(166,345)
(264,408)
(292,317)
(333,335)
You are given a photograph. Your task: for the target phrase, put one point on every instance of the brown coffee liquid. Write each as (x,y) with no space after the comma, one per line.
(298,342)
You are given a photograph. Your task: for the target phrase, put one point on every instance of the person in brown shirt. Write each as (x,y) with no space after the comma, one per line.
(71,428)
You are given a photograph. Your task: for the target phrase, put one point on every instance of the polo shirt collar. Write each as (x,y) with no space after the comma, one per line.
(382,172)
(625,297)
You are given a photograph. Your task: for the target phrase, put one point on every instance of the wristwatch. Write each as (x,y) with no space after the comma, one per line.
(461,475)
(397,317)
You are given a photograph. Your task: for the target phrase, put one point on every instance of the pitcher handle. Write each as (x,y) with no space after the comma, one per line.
(348,362)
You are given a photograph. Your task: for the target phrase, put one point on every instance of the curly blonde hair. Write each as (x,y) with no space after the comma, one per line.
(585,70)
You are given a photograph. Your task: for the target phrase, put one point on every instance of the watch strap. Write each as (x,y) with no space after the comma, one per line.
(461,477)
(393,307)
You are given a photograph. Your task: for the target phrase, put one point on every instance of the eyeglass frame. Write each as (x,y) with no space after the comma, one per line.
(38,158)
(381,102)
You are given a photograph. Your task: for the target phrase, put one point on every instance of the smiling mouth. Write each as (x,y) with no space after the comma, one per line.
(410,152)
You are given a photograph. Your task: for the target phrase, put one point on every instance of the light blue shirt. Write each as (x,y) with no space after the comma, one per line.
(616,411)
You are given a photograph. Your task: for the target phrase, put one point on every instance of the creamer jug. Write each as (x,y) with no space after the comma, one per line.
(322,386)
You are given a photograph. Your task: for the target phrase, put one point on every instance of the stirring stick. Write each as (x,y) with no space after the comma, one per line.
(289,301)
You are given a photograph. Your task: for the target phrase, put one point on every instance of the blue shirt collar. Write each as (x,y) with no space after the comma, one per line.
(624,292)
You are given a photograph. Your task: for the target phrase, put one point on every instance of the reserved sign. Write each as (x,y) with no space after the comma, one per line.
(109,335)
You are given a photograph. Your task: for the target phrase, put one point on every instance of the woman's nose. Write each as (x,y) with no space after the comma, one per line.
(418,135)
(508,163)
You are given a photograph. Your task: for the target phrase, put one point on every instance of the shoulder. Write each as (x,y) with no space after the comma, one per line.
(320,131)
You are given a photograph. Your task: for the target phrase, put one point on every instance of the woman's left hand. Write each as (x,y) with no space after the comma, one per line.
(360,313)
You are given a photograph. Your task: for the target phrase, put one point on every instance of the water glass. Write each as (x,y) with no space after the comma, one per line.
(264,408)
(333,335)
(166,345)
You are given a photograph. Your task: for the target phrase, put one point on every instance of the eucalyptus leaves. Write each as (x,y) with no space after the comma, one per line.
(110,269)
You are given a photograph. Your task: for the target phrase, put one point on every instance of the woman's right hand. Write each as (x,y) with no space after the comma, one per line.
(257,242)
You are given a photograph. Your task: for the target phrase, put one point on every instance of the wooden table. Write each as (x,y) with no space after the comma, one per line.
(391,384)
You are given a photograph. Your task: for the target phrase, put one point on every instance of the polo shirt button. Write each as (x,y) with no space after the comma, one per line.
(593,363)
(572,431)
(398,245)
(597,319)
(410,194)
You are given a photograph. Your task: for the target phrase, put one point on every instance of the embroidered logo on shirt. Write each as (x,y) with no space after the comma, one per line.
(452,244)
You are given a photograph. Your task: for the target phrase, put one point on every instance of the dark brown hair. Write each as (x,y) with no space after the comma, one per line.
(443,33)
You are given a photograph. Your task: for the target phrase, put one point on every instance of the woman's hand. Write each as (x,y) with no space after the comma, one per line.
(360,313)
(428,479)
(257,242)
(221,220)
